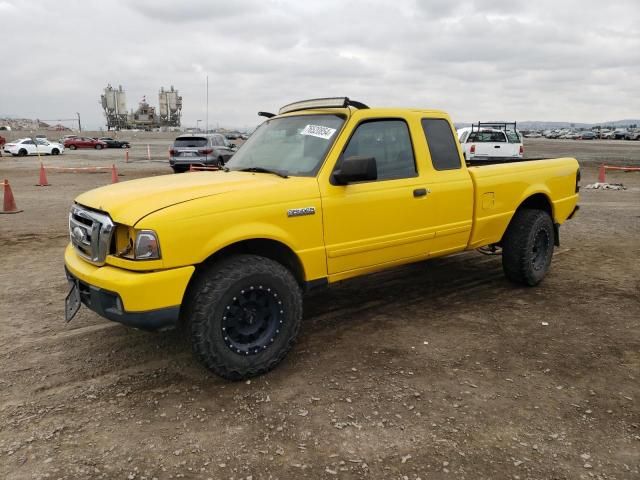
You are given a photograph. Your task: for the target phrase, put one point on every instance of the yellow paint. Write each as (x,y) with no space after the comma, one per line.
(356,229)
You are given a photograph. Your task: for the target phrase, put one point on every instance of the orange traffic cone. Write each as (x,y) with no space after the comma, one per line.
(114,173)
(43,177)
(9,204)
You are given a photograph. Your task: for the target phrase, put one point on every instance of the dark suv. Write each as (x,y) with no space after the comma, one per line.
(201,150)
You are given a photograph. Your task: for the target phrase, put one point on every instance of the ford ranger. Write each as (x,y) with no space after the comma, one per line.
(326,190)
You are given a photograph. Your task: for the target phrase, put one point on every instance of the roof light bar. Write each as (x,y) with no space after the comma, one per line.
(330,102)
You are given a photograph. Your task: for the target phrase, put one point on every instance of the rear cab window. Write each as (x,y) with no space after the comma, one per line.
(442,144)
(488,137)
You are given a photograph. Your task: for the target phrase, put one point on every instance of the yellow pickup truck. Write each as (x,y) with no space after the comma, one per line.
(326,190)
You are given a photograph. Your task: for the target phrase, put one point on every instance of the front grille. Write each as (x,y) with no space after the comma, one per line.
(90,233)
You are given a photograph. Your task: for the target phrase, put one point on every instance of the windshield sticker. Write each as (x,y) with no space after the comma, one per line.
(318,131)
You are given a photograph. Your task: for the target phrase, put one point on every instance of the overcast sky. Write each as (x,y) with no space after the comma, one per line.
(479,60)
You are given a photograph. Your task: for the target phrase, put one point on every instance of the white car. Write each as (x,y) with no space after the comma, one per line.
(27,146)
(490,144)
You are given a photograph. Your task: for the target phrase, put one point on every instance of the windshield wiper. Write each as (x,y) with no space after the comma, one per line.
(264,170)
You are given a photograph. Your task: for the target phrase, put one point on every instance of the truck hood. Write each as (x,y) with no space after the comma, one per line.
(130,201)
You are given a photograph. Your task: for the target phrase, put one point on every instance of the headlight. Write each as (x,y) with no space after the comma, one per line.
(147,245)
(136,244)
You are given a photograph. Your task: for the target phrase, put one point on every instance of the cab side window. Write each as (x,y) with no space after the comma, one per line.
(441,143)
(389,142)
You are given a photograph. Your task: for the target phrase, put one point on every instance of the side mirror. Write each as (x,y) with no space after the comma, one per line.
(232,145)
(356,169)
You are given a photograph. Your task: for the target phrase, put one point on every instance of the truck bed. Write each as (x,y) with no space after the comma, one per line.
(500,188)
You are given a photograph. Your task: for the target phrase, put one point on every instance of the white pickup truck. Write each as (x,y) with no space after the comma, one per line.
(491,142)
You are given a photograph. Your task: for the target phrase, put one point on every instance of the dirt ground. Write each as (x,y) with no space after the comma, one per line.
(436,370)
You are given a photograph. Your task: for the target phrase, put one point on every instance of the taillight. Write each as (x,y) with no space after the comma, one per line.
(206,151)
(172,151)
(521,149)
(472,149)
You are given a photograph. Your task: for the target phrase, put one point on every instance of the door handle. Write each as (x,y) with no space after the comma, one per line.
(421,192)
(496,146)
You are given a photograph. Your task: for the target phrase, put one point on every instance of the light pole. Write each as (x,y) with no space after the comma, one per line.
(207,117)
(198,125)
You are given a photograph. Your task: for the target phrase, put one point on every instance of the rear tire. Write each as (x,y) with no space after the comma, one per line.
(72,147)
(244,315)
(55,151)
(98,147)
(527,247)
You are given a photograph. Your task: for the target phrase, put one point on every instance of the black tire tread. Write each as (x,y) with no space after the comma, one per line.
(210,286)
(515,248)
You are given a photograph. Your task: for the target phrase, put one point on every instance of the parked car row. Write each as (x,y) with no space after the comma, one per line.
(572,134)
(73,142)
(236,136)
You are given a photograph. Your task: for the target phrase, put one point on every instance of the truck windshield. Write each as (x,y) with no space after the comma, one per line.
(294,146)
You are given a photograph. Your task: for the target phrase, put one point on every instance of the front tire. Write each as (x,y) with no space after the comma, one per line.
(527,247)
(72,147)
(244,315)
(55,151)
(98,147)
(22,152)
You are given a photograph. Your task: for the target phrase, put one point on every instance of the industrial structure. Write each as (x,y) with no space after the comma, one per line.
(114,104)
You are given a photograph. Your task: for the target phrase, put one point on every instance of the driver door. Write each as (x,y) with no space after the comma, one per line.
(388,220)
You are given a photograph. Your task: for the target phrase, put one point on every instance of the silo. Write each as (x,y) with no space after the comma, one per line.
(163,104)
(175,106)
(121,101)
(109,101)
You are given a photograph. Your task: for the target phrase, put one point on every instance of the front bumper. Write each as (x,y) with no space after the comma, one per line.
(145,300)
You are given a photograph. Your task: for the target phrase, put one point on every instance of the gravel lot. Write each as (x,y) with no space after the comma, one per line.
(436,370)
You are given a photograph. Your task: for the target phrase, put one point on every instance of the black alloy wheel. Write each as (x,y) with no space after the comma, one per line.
(252,320)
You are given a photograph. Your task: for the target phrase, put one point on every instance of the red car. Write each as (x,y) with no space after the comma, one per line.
(84,142)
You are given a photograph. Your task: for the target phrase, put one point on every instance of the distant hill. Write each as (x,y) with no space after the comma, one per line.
(14,123)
